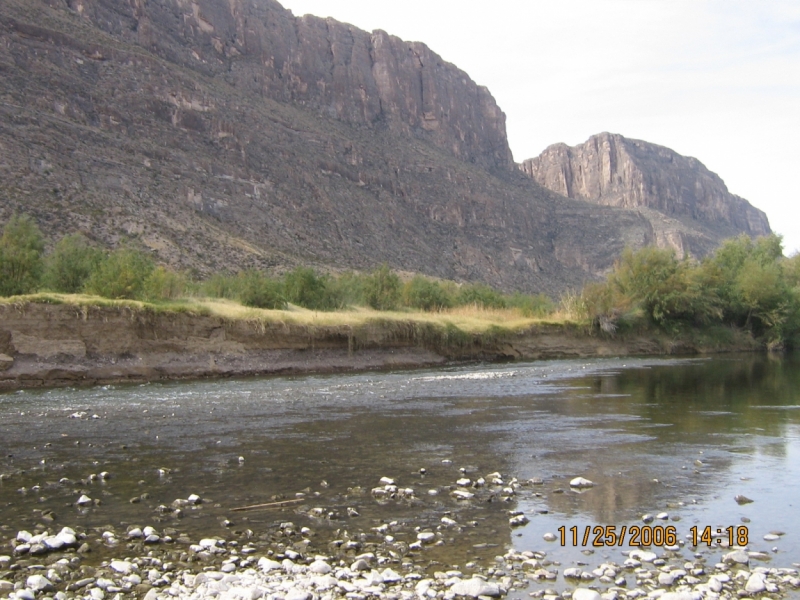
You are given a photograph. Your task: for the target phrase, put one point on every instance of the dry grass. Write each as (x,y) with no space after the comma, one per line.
(469,319)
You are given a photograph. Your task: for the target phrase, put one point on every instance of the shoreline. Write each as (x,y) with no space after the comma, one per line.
(56,345)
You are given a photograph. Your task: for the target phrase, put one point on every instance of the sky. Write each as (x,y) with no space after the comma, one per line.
(715,79)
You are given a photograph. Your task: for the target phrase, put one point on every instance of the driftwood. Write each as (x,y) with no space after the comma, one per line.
(267,505)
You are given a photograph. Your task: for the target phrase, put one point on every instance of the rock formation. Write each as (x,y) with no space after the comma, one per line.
(611,170)
(226,134)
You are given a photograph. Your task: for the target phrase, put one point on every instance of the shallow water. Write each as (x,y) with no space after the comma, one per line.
(635,427)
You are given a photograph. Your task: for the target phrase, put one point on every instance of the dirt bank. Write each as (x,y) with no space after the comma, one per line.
(45,345)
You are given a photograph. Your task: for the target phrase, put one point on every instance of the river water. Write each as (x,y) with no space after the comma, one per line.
(681,436)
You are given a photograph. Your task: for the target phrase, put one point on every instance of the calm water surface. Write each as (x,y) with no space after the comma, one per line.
(680,436)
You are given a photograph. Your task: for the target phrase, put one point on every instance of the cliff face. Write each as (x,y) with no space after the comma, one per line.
(366,79)
(612,170)
(228,134)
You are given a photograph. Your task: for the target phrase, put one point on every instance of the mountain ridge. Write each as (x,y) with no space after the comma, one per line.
(228,135)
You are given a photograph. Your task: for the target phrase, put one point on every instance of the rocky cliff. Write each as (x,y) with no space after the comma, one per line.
(680,191)
(225,134)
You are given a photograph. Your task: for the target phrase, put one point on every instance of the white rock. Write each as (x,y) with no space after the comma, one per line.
(25,594)
(426,537)
(756,583)
(387,481)
(39,583)
(585,594)
(771,537)
(297,594)
(475,587)
(662,516)
(84,500)
(448,521)
(581,482)
(464,482)
(209,543)
(693,595)
(738,557)
(572,573)
(267,565)
(194,499)
(462,495)
(643,555)
(549,537)
(390,576)
(24,537)
(122,566)
(320,567)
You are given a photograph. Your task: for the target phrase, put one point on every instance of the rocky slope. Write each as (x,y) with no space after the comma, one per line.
(681,193)
(231,134)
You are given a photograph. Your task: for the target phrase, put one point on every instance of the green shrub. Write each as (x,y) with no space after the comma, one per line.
(121,274)
(221,285)
(480,295)
(302,286)
(348,288)
(425,294)
(382,289)
(70,264)
(538,305)
(164,284)
(257,290)
(21,263)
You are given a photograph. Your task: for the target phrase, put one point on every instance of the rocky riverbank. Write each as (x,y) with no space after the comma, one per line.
(392,561)
(49,345)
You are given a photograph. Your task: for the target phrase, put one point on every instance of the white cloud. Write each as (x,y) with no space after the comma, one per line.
(714,79)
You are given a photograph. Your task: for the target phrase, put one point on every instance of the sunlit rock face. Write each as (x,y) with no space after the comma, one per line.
(612,170)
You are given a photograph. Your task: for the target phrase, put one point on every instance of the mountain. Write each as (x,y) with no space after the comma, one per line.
(225,134)
(689,206)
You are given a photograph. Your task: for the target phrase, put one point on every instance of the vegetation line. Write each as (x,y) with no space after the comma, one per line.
(746,286)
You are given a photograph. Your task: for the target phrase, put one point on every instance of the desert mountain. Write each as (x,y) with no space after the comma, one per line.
(689,206)
(224,134)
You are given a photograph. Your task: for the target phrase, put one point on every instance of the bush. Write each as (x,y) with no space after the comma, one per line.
(71,264)
(480,295)
(164,284)
(21,249)
(382,289)
(221,285)
(302,286)
(538,305)
(121,275)
(348,288)
(425,294)
(257,290)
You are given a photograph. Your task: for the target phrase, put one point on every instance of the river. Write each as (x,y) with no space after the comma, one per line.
(679,436)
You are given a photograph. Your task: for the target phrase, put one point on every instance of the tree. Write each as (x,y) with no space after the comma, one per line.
(121,275)
(255,289)
(425,294)
(21,249)
(302,286)
(69,266)
(382,289)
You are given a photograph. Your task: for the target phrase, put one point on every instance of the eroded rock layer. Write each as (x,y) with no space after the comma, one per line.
(612,170)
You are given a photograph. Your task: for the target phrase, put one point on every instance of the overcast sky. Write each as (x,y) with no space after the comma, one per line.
(715,79)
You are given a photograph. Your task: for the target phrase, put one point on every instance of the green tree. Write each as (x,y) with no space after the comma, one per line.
(382,289)
(21,263)
(480,295)
(423,293)
(260,291)
(302,286)
(121,275)
(164,284)
(70,264)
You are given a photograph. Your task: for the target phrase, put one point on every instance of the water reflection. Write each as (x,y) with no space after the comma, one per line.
(682,436)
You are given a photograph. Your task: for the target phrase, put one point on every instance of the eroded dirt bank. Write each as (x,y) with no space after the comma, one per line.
(59,344)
